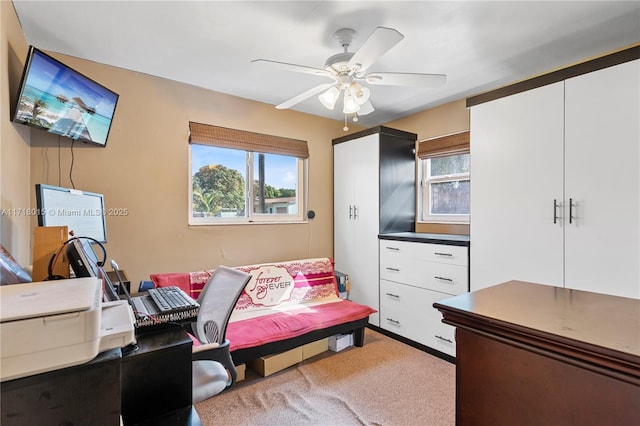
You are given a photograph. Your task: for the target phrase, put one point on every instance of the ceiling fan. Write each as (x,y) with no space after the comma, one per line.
(349,73)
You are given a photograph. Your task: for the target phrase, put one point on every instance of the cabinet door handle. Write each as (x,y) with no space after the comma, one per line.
(570,210)
(443,279)
(443,254)
(555,211)
(388,268)
(393,295)
(392,248)
(350,211)
(392,321)
(444,339)
(355,212)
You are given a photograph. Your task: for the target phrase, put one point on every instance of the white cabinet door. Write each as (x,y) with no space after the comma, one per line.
(356,218)
(364,275)
(517,173)
(343,232)
(602,145)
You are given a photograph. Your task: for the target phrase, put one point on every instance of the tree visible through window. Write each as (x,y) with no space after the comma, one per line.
(217,189)
(220,189)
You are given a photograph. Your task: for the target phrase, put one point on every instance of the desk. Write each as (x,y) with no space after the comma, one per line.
(541,355)
(85,394)
(156,379)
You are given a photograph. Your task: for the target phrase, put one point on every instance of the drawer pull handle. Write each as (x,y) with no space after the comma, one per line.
(392,248)
(388,268)
(444,339)
(391,320)
(393,295)
(449,280)
(443,254)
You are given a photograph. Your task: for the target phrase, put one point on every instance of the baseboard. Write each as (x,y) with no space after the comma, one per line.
(412,343)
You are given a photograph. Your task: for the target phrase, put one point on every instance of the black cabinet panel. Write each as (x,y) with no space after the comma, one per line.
(85,394)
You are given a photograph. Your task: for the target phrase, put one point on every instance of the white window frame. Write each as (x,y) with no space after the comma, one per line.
(255,218)
(425,183)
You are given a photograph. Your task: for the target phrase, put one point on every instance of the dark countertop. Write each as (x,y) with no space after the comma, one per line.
(419,237)
(596,323)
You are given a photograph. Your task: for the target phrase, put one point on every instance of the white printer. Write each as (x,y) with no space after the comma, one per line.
(49,325)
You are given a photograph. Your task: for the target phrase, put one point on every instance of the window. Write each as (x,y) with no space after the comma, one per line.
(231,182)
(445,179)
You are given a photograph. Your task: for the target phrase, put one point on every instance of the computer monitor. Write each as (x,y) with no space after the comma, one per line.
(80,211)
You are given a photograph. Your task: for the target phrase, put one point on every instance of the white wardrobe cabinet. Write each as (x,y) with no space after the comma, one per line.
(602,181)
(374,192)
(555,184)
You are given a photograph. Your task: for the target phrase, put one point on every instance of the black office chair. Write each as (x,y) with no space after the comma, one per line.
(213,368)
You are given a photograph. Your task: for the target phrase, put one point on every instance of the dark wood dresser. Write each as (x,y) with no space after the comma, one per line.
(532,354)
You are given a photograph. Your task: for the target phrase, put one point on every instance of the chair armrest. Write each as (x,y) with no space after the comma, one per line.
(205,347)
(217,352)
(212,352)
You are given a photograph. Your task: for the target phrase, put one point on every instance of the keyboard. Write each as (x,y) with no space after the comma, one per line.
(171,299)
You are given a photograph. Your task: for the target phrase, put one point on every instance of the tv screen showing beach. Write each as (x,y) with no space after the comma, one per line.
(62,101)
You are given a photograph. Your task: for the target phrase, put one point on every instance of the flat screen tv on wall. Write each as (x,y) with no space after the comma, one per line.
(60,100)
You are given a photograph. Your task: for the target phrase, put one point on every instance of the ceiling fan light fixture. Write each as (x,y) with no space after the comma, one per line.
(329,97)
(366,108)
(350,75)
(359,92)
(350,104)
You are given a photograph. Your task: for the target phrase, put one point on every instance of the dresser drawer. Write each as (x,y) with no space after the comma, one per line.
(441,253)
(402,310)
(409,312)
(442,277)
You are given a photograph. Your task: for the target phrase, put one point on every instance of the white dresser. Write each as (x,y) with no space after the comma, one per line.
(417,270)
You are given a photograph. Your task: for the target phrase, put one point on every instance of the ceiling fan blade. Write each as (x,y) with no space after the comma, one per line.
(374,47)
(302,96)
(293,67)
(406,79)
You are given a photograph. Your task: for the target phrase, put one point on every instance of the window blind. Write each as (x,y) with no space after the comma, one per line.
(207,134)
(456,143)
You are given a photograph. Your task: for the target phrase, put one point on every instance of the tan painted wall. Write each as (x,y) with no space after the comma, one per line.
(144,169)
(448,118)
(15,186)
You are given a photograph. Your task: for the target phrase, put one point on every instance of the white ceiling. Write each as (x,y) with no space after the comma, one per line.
(479,45)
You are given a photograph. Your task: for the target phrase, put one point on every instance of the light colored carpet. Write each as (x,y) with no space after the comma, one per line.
(383,383)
